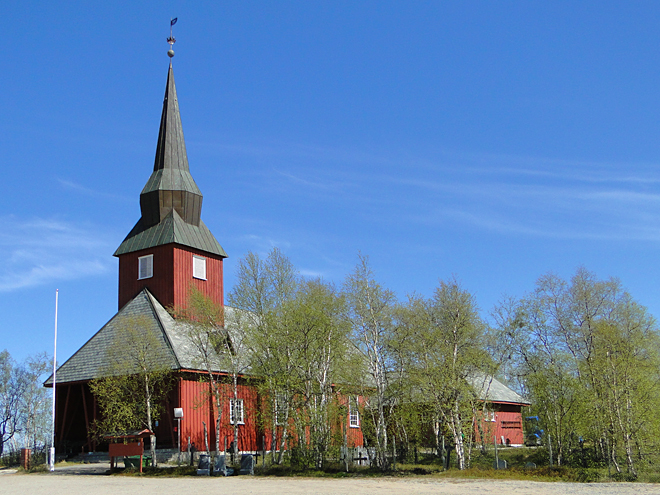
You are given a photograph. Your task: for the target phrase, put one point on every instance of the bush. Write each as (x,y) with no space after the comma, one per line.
(586,475)
(11,459)
(302,458)
(624,477)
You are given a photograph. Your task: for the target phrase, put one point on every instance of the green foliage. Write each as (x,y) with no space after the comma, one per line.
(583,351)
(24,402)
(130,396)
(587,355)
(439,349)
(298,348)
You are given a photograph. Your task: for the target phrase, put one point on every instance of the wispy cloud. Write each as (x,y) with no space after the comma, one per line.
(264,245)
(74,186)
(312,273)
(509,194)
(39,251)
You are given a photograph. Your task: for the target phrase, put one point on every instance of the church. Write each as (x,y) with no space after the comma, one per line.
(168,251)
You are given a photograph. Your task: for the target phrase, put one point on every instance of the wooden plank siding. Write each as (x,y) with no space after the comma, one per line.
(76,411)
(505,422)
(354,436)
(172,275)
(212,287)
(198,407)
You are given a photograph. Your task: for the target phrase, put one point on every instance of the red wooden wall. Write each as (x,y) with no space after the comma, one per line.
(507,423)
(198,407)
(172,275)
(354,436)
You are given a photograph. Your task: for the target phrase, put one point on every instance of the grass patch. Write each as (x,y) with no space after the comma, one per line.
(168,471)
(522,464)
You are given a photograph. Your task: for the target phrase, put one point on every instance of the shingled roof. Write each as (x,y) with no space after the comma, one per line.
(490,389)
(171,346)
(172,229)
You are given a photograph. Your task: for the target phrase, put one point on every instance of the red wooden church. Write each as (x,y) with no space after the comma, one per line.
(168,250)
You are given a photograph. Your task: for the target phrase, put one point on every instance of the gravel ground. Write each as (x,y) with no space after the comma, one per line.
(89,479)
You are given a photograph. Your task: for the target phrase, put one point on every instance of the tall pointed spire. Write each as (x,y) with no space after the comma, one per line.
(170,202)
(170,186)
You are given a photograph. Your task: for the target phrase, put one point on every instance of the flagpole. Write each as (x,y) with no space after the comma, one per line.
(51,463)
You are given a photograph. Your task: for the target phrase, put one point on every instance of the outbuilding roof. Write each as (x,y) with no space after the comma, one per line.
(490,389)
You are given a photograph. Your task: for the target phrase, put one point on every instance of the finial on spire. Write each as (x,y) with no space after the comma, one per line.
(171,40)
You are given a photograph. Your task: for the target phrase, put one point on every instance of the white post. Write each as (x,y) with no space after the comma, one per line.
(51,460)
(178,414)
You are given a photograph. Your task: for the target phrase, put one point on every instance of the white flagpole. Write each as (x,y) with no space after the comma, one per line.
(51,463)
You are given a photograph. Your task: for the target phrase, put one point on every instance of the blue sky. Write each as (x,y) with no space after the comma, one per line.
(493,141)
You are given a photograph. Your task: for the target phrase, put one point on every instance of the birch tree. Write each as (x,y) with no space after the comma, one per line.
(136,382)
(589,359)
(318,346)
(263,287)
(370,309)
(219,338)
(12,386)
(445,349)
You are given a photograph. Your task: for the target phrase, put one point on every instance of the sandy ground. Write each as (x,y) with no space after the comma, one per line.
(90,479)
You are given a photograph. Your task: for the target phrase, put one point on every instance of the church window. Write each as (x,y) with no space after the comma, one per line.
(281,406)
(353,413)
(199,267)
(145,266)
(236,411)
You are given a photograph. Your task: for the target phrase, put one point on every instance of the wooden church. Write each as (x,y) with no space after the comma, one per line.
(168,250)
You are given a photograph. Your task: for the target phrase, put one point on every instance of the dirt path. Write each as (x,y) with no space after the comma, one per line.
(81,479)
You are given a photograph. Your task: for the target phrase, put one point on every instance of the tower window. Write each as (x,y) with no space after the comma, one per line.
(145,266)
(199,267)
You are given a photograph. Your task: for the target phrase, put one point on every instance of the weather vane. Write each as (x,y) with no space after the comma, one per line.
(171,40)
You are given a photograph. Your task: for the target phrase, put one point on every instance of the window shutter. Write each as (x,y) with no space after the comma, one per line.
(145,266)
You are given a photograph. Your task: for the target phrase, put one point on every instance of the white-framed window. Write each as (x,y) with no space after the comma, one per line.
(199,267)
(490,416)
(236,411)
(280,409)
(353,413)
(145,266)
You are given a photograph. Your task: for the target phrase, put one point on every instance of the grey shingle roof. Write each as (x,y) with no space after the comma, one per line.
(490,389)
(172,346)
(95,358)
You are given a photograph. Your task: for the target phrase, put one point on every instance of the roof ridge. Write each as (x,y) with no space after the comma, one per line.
(152,300)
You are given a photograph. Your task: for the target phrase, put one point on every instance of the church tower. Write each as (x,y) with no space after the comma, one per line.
(170,248)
